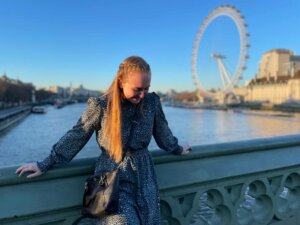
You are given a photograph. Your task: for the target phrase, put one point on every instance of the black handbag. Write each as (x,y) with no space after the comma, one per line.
(101,194)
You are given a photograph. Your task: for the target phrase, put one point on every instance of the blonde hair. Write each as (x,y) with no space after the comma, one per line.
(112,130)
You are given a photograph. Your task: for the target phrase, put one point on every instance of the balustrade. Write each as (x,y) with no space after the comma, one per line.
(253,182)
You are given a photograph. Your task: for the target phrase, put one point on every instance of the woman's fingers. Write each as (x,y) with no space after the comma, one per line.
(19,169)
(23,170)
(30,167)
(186,149)
(36,174)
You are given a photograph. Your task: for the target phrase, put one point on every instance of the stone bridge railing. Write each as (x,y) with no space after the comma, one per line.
(239,183)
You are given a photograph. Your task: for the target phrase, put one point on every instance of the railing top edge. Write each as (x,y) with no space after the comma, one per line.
(76,167)
(86,166)
(229,148)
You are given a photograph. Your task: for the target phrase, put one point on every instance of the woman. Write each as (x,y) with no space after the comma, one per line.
(124,119)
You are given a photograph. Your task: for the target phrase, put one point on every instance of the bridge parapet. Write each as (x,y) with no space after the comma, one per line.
(247,182)
(243,183)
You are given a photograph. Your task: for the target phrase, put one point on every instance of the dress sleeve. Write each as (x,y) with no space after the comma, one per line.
(161,131)
(75,139)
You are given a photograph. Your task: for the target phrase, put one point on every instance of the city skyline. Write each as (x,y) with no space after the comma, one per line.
(58,42)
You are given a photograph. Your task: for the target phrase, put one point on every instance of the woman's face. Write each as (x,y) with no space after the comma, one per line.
(135,86)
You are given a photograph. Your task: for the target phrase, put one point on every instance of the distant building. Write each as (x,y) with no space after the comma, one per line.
(278,62)
(80,90)
(241,91)
(14,92)
(6,79)
(56,89)
(278,78)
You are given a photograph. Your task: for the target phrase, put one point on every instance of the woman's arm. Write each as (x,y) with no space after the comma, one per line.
(71,143)
(163,134)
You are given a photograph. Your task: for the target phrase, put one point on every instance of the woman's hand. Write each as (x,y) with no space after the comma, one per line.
(186,149)
(29,167)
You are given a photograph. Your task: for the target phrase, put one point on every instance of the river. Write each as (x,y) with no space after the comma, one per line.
(33,137)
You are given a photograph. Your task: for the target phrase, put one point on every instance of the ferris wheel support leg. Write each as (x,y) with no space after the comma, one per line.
(221,72)
(225,74)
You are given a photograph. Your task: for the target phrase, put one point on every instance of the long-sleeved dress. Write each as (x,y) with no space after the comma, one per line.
(138,192)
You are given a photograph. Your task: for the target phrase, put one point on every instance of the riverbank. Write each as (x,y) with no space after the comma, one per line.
(284,107)
(12,116)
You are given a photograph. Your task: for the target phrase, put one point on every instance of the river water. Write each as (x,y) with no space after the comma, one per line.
(32,139)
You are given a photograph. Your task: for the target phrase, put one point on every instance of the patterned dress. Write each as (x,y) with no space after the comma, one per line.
(139,194)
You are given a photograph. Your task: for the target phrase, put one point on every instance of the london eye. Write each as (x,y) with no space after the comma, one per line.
(228,81)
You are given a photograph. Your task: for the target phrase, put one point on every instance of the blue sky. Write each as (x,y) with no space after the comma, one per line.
(61,41)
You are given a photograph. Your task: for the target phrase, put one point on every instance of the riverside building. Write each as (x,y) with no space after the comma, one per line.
(278,78)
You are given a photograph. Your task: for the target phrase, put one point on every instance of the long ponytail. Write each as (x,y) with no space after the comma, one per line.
(112,130)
